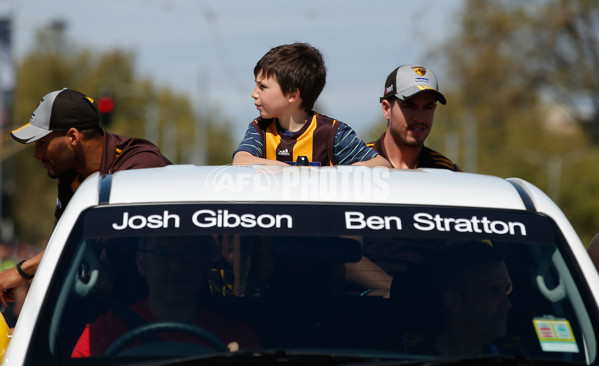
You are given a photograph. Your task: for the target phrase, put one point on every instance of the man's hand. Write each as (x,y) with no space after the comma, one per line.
(369,275)
(245,158)
(9,279)
(374,162)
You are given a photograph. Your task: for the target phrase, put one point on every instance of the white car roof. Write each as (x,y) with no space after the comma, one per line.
(181,183)
(337,184)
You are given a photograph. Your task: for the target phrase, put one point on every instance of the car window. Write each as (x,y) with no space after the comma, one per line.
(397,282)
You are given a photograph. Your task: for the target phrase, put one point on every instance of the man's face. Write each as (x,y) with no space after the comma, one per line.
(269,99)
(175,268)
(485,306)
(55,154)
(411,120)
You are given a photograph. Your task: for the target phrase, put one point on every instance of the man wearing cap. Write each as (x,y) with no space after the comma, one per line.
(71,146)
(409,102)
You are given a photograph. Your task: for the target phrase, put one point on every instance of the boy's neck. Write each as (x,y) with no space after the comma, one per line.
(294,121)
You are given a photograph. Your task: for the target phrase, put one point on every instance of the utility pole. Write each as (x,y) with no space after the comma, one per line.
(199,152)
(7,85)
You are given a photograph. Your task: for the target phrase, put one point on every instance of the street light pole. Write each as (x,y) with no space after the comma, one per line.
(7,84)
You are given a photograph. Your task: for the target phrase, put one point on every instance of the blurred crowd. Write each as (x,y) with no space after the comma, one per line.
(12,253)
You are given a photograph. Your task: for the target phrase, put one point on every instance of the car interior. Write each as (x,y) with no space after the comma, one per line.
(294,293)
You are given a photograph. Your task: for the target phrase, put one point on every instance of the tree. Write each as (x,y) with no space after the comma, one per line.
(141,109)
(566,36)
(514,64)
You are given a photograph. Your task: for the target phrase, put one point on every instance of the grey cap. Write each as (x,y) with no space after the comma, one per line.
(58,110)
(408,80)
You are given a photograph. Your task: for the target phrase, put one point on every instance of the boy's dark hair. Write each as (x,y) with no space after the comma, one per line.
(295,66)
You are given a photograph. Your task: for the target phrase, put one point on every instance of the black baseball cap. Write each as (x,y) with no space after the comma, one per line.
(408,80)
(59,110)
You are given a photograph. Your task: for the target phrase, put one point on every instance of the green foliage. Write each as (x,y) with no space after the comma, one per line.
(34,199)
(218,151)
(513,65)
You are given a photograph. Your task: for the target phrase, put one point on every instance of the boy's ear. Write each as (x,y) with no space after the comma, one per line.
(294,96)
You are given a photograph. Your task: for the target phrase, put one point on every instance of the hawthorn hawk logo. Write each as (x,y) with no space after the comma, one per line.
(419,70)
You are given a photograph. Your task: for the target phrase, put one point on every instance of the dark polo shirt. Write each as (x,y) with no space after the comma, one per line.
(120,153)
(428,158)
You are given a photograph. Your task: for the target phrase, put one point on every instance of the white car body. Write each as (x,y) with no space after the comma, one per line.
(291,186)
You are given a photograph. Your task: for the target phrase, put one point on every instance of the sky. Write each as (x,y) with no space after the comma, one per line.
(208,49)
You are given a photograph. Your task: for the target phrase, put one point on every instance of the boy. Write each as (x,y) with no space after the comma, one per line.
(289,79)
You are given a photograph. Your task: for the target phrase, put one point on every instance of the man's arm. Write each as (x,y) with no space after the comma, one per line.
(351,150)
(370,276)
(11,278)
(376,161)
(251,150)
(245,158)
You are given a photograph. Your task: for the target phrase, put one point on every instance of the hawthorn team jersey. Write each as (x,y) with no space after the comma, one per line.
(324,141)
(119,153)
(427,158)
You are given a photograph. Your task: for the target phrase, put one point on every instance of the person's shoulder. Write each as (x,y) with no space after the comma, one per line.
(129,144)
(338,126)
(377,145)
(262,123)
(324,118)
(121,140)
(125,153)
(437,160)
(434,154)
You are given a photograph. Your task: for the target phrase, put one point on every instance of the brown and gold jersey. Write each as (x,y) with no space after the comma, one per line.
(314,140)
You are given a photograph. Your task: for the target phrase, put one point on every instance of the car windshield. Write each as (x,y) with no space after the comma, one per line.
(378,282)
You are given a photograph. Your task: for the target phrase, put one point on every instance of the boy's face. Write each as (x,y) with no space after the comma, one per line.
(269,98)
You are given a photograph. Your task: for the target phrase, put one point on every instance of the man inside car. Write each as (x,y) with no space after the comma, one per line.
(469,285)
(176,272)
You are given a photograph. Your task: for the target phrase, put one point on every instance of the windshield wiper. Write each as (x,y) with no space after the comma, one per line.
(261,357)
